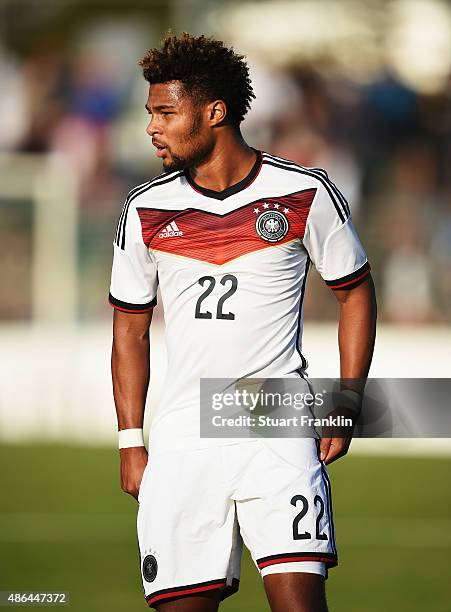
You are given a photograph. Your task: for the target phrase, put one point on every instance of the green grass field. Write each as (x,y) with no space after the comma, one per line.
(65,525)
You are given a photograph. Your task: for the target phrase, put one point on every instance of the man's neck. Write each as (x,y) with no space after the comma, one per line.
(229,163)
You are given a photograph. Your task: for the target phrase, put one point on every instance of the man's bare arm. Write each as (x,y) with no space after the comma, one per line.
(130,368)
(356,336)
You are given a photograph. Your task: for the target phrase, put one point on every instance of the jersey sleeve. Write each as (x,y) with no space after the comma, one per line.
(134,277)
(331,240)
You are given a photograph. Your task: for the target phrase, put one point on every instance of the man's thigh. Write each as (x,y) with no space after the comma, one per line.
(296,592)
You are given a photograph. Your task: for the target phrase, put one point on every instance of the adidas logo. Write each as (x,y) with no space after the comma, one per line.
(170,231)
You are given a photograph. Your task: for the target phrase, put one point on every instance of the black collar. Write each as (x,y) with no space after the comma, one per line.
(225,193)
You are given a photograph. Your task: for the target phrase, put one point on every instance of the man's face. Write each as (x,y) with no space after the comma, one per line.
(179,129)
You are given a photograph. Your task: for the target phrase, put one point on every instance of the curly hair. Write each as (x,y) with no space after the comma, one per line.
(206,68)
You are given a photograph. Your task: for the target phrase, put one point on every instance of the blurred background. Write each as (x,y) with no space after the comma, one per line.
(361,88)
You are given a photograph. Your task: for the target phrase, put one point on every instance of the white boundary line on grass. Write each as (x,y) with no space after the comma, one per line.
(420,447)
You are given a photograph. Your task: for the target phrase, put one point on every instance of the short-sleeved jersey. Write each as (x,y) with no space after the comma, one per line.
(232,268)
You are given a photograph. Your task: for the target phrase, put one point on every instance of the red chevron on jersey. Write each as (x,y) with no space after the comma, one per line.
(218,239)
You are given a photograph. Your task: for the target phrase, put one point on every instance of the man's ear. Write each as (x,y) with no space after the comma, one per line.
(217,112)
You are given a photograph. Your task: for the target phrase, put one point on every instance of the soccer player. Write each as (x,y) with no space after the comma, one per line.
(228,234)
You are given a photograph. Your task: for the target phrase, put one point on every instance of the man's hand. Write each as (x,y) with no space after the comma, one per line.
(335,441)
(133,464)
(332,449)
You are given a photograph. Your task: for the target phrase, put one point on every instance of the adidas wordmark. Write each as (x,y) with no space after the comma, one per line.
(170,231)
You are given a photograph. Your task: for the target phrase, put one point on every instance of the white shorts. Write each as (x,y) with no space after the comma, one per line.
(197,507)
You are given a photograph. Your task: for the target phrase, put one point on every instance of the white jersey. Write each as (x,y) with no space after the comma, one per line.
(231,267)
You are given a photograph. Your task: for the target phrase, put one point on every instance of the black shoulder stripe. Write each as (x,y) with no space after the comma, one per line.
(318,172)
(130,196)
(337,206)
(124,208)
(338,193)
(282,160)
(154,183)
(134,193)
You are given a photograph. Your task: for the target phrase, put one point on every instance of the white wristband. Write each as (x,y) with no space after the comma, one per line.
(129,438)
